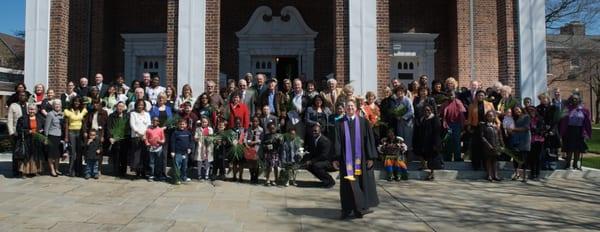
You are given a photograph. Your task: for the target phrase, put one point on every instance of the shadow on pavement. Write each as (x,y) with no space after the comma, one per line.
(324,213)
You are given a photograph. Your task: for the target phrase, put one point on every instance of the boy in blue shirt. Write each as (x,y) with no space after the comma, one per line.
(181,142)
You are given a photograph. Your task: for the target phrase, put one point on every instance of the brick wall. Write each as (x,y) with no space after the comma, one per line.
(508,43)
(426,16)
(485,57)
(172,22)
(78,39)
(109,20)
(341,55)
(59,44)
(559,69)
(213,26)
(383,45)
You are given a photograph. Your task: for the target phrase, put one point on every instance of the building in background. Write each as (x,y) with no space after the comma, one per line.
(365,43)
(12,52)
(574,63)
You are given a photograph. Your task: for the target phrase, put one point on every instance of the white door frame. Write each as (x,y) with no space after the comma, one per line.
(143,45)
(415,47)
(285,35)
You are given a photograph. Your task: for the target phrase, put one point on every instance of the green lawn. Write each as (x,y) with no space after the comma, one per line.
(594,143)
(592,162)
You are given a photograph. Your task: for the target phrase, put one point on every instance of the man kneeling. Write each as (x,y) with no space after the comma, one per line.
(317,160)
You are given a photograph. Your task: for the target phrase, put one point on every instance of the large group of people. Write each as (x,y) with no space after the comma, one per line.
(273,128)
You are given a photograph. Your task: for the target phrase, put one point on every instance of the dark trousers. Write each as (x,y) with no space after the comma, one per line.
(75,159)
(156,164)
(534,160)
(253,167)
(476,151)
(16,161)
(139,156)
(118,157)
(319,170)
(218,168)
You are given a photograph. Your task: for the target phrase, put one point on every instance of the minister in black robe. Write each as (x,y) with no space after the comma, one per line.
(358,192)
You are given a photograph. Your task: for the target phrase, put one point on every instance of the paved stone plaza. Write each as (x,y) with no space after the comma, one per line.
(109,204)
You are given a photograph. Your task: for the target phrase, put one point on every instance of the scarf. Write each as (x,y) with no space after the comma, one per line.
(353,162)
(454,111)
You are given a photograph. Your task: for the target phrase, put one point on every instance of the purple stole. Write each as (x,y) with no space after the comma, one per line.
(352,161)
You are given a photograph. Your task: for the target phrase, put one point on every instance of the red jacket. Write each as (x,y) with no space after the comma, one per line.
(239,111)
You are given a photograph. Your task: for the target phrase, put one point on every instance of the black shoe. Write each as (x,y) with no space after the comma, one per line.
(361,214)
(497,179)
(329,185)
(345,215)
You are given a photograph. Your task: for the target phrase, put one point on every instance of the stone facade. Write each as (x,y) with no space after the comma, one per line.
(91,38)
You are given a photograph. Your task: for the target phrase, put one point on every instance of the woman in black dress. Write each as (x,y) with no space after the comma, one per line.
(317,113)
(427,140)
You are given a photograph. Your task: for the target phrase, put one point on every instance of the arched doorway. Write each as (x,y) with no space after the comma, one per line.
(282,46)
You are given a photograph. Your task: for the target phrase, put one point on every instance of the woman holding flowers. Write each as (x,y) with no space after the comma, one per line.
(29,129)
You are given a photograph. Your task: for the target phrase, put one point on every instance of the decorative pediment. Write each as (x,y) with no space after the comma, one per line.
(289,24)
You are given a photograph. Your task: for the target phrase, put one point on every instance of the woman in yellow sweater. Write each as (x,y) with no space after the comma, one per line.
(73,123)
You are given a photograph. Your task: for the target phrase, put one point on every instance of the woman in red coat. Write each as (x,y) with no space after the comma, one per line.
(237,109)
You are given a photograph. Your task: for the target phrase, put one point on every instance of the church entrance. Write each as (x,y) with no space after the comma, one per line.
(280,67)
(287,67)
(281,46)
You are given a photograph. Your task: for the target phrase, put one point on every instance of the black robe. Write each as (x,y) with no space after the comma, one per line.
(361,194)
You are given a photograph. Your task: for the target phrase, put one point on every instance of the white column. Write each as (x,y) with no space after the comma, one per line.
(191,44)
(37,44)
(532,44)
(363,45)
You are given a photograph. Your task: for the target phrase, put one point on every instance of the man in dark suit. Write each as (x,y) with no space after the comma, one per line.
(260,86)
(317,160)
(99,83)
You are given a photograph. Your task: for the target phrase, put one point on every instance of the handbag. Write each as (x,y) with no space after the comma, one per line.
(250,153)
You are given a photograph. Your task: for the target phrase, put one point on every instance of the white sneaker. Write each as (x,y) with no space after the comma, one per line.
(188,179)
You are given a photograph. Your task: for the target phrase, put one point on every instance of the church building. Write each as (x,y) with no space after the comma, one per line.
(363,42)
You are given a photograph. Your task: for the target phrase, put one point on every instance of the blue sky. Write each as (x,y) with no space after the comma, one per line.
(12,18)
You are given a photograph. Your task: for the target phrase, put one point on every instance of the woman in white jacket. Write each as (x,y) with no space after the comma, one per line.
(139,122)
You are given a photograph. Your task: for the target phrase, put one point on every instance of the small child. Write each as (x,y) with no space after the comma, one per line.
(290,157)
(253,140)
(508,122)
(181,143)
(204,148)
(154,140)
(491,143)
(237,162)
(92,151)
(218,170)
(271,143)
(394,150)
(121,95)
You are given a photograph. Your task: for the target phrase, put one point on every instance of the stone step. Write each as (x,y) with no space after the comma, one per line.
(451,171)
